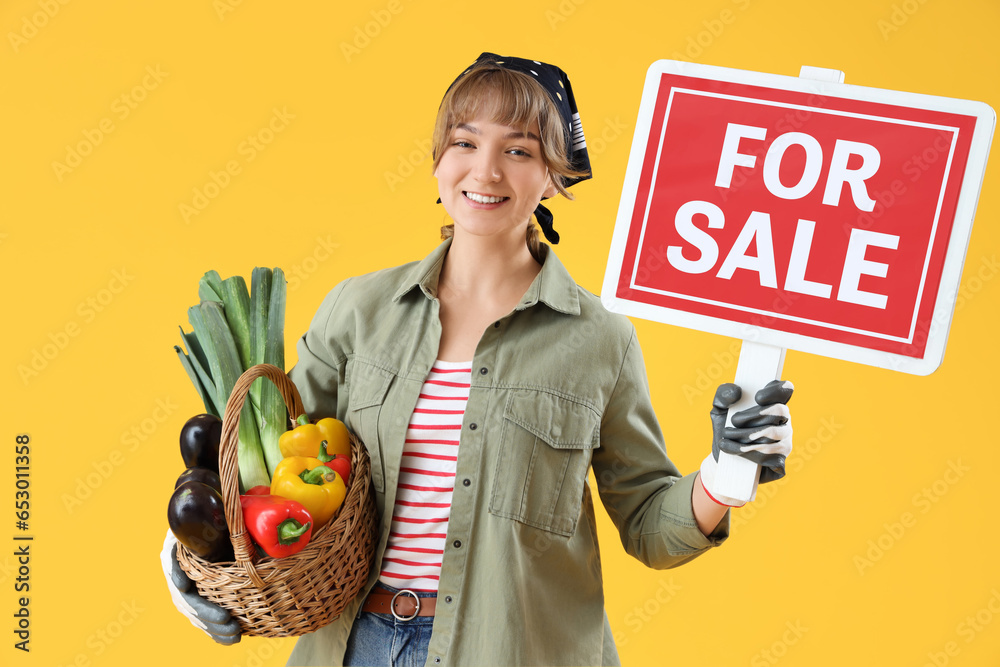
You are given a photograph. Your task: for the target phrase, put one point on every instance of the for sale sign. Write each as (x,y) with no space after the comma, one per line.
(804,214)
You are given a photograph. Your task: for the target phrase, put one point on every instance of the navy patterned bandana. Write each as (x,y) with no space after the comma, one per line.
(556,84)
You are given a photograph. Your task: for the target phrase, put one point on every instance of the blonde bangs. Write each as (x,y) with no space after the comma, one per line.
(496,95)
(509,98)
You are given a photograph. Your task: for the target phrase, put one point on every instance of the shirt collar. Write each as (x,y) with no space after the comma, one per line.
(553,285)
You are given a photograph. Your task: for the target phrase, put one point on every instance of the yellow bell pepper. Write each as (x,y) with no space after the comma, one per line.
(305,439)
(308,481)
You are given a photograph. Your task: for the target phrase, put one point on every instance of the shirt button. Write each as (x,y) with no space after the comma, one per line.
(466,482)
(457,544)
(496,325)
(447,598)
(483,371)
(437,661)
(473,427)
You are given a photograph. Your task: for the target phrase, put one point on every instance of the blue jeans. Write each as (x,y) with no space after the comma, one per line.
(379,639)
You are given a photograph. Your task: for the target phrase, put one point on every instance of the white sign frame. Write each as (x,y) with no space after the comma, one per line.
(951,275)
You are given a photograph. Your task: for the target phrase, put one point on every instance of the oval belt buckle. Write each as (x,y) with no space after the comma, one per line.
(392,606)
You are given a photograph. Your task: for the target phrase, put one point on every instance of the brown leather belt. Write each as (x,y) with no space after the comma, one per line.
(404,605)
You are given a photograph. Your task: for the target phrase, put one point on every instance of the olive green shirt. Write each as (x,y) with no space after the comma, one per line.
(558,386)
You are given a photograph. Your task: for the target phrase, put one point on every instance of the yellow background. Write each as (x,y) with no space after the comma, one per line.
(100,265)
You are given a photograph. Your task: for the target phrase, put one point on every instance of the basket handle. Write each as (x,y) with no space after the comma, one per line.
(243,547)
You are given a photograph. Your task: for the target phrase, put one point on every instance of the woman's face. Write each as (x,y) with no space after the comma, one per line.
(491,177)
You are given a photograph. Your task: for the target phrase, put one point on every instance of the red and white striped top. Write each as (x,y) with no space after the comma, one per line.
(427,480)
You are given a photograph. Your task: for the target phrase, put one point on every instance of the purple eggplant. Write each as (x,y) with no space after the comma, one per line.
(197,519)
(200,438)
(199,474)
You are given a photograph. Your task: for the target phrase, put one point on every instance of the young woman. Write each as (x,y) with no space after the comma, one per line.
(485,384)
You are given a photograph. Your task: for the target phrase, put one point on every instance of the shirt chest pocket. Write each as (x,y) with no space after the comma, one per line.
(543,459)
(369,386)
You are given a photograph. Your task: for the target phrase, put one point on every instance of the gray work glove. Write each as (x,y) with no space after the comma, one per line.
(204,615)
(762,433)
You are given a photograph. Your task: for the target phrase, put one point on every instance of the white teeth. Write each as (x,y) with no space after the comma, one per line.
(482,199)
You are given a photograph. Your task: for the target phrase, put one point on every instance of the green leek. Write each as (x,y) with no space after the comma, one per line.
(234,330)
(260,295)
(203,392)
(210,287)
(197,362)
(213,332)
(273,419)
(236,302)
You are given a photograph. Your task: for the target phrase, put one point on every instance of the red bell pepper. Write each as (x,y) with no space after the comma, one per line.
(339,463)
(279,526)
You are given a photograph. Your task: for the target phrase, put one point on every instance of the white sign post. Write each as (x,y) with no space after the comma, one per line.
(798,213)
(736,477)
(759,364)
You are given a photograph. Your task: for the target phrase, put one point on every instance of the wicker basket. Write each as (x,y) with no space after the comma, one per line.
(291,596)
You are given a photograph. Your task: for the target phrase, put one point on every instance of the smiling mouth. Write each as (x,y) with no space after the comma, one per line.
(484,199)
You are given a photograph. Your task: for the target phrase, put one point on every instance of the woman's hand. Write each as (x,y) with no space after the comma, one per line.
(762,434)
(215,621)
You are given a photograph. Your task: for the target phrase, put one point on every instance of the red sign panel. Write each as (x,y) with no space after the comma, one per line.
(799,211)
